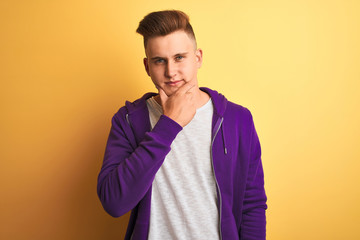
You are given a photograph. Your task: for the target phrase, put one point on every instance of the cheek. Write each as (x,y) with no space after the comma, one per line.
(192,69)
(156,73)
(154,70)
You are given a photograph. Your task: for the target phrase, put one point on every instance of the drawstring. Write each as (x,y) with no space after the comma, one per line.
(220,124)
(223,137)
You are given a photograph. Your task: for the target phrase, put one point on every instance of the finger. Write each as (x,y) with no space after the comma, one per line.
(187,87)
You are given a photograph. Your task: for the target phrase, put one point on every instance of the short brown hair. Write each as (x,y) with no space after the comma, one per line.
(162,23)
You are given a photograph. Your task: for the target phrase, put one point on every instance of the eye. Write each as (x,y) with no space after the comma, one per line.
(178,58)
(159,61)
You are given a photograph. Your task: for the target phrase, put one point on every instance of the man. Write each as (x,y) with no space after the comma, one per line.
(185,160)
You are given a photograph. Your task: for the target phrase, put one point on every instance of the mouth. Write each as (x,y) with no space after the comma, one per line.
(174,83)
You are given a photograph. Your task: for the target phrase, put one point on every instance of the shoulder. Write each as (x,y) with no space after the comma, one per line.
(239,122)
(133,106)
(238,113)
(225,107)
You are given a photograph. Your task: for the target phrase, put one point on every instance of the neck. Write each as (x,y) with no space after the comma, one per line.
(200,98)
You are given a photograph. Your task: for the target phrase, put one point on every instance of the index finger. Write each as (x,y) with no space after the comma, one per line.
(186,88)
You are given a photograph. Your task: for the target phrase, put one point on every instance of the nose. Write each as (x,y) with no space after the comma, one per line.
(170,70)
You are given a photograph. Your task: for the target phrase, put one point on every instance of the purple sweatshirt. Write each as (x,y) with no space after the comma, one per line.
(134,154)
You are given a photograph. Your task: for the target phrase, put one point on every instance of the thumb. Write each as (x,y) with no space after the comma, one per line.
(163,96)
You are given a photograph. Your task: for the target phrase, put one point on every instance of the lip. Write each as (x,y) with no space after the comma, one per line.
(174,83)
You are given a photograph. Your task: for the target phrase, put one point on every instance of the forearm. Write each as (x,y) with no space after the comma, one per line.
(127,174)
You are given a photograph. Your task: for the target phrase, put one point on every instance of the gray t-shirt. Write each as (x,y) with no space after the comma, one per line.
(183,201)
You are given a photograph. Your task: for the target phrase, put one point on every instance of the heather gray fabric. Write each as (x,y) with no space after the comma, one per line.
(183,201)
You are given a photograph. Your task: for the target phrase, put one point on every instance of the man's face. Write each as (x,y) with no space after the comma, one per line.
(172,60)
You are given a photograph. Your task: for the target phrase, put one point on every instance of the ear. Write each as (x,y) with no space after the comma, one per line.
(146,64)
(199,57)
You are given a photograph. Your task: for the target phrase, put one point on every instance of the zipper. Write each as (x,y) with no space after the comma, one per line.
(127,119)
(217,184)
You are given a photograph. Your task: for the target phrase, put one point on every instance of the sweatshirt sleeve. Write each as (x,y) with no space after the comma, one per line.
(127,173)
(253,226)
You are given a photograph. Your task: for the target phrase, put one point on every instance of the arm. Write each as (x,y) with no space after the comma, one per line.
(127,174)
(253,224)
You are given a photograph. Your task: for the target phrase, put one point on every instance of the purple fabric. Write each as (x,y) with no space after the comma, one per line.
(134,154)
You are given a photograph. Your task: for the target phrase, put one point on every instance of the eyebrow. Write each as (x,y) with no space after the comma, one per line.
(178,54)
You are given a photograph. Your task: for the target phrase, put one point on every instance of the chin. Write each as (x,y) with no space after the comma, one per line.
(170,92)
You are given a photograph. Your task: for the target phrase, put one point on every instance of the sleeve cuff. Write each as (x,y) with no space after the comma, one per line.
(167,129)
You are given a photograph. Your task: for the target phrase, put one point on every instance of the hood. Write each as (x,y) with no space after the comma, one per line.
(139,103)
(218,100)
(220,103)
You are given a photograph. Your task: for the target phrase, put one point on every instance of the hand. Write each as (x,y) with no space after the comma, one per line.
(180,106)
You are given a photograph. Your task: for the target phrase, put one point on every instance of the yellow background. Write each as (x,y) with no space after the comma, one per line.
(67,66)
